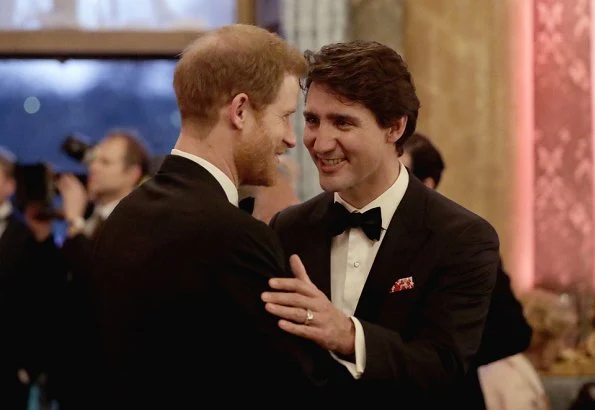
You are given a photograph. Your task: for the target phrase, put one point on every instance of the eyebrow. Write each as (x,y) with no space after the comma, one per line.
(333,116)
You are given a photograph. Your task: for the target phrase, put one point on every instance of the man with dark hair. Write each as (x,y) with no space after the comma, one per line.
(400,277)
(506,331)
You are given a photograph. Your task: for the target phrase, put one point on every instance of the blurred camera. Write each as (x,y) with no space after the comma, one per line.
(36,183)
(76,147)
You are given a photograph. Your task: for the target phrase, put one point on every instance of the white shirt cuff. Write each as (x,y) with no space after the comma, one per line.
(356,369)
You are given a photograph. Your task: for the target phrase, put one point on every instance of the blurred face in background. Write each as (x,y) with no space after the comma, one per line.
(7,186)
(110,177)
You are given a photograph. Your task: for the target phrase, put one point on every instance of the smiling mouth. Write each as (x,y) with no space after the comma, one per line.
(331,162)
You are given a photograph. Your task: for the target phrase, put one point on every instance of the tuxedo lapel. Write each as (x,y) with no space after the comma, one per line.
(316,257)
(403,241)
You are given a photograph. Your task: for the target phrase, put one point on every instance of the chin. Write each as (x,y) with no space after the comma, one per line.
(261,180)
(270,177)
(330,184)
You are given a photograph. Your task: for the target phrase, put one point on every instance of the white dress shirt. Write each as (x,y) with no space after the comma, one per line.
(352,256)
(226,183)
(5,211)
(100,214)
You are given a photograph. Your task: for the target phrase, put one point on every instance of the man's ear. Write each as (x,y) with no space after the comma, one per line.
(135,173)
(237,110)
(397,129)
(429,182)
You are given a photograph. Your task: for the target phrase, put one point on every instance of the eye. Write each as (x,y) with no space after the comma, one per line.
(342,123)
(311,120)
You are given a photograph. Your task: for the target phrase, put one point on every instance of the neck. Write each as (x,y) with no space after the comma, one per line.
(214,146)
(103,200)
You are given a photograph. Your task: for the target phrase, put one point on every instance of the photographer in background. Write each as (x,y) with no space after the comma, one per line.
(15,244)
(28,281)
(117,164)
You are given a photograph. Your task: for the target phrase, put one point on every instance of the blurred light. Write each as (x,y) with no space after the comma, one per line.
(523,258)
(31,105)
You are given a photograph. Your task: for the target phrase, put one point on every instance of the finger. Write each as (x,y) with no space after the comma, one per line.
(60,182)
(67,178)
(287,299)
(65,182)
(298,268)
(287,284)
(294,285)
(297,315)
(307,332)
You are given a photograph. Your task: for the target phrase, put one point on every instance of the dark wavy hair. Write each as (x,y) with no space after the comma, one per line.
(426,160)
(369,73)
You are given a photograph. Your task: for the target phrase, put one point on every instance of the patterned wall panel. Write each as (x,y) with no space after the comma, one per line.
(563,155)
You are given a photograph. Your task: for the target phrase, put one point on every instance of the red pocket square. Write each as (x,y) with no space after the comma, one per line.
(402,284)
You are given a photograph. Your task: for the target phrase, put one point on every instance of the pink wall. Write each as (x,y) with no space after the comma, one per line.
(554,236)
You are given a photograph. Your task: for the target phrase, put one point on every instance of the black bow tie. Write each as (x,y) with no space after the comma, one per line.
(370,221)
(247,204)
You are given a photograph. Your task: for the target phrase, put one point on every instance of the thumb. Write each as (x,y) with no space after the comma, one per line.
(298,269)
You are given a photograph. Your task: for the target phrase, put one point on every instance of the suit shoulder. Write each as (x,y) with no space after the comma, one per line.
(244,224)
(251,241)
(446,214)
(20,230)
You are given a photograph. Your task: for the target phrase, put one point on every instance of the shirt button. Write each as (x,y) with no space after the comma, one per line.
(356,264)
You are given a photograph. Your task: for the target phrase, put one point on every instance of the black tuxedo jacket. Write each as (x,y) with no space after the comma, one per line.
(419,342)
(28,286)
(177,277)
(15,246)
(15,243)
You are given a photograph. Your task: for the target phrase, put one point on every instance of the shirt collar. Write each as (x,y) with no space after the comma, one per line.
(231,191)
(105,210)
(388,201)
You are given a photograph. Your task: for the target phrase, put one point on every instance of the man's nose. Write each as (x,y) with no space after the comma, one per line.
(324,142)
(290,138)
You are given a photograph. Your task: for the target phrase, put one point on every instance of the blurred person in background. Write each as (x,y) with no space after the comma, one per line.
(116,165)
(514,382)
(28,286)
(15,244)
(506,331)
